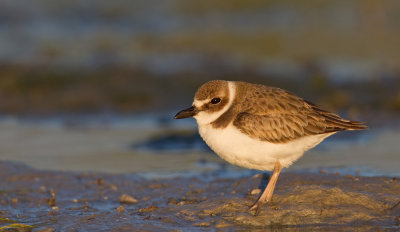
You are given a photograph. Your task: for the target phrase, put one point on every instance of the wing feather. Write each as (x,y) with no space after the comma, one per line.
(279,116)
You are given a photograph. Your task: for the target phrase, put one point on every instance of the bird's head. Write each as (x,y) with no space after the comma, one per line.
(211,101)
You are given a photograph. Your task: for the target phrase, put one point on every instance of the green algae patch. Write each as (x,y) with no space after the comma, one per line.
(16,226)
(5,220)
(7,224)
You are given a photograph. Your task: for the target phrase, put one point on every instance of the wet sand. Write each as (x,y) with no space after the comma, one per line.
(34,200)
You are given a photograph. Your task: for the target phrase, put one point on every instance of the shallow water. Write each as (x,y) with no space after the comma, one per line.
(158,146)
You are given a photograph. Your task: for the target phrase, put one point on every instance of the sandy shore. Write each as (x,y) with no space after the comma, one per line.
(33,200)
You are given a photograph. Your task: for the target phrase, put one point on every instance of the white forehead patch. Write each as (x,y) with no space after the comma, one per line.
(203,118)
(199,103)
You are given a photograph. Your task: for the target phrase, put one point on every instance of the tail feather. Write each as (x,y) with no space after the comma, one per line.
(338,122)
(351,125)
(345,124)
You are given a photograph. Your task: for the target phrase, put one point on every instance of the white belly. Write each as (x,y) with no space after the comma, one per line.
(239,149)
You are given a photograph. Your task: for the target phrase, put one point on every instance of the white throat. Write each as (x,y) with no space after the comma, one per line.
(204,118)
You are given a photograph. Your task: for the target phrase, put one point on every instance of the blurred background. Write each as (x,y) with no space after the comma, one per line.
(93,85)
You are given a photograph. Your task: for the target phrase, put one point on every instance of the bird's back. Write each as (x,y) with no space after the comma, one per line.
(276,115)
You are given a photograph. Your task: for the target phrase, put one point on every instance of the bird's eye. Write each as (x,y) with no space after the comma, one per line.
(215,100)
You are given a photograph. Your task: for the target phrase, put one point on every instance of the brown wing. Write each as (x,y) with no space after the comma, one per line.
(279,116)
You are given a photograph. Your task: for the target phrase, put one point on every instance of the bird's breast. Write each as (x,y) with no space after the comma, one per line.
(237,148)
(240,149)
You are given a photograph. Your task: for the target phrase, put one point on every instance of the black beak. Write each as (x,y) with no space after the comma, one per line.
(186,113)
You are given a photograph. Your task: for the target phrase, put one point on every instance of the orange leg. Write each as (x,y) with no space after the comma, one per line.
(269,190)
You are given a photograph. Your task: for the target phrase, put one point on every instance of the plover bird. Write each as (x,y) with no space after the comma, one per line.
(260,127)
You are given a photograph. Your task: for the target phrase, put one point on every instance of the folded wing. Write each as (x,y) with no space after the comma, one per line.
(280,116)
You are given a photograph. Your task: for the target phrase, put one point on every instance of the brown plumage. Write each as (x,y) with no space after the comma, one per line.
(278,116)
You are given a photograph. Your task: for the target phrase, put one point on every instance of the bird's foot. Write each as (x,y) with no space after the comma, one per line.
(257,207)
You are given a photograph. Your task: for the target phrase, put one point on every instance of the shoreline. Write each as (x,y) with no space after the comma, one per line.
(87,201)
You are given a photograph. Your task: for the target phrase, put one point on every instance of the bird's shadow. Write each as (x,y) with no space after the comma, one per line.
(264,181)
